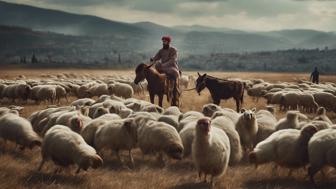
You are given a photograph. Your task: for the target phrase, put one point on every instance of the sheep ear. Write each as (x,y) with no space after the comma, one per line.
(242,110)
(254,109)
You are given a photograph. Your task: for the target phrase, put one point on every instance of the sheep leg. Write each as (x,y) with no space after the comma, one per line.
(78,170)
(131,158)
(200,175)
(274,169)
(41,165)
(311,172)
(205,178)
(290,172)
(118,156)
(160,100)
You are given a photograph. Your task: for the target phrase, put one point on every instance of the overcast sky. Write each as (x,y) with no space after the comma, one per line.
(258,15)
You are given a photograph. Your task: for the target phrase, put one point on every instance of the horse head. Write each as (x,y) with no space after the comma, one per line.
(200,82)
(140,72)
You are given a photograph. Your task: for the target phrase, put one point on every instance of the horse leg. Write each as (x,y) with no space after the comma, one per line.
(216,101)
(160,100)
(151,96)
(237,105)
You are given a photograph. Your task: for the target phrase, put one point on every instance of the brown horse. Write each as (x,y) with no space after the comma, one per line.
(221,89)
(158,84)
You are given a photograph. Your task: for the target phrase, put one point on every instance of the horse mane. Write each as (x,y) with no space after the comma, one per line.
(213,77)
(140,67)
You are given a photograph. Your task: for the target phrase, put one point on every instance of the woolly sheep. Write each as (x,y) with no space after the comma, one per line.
(170,119)
(19,130)
(287,148)
(187,117)
(158,137)
(307,103)
(266,125)
(209,109)
(326,100)
(321,150)
(83,102)
(228,127)
(184,81)
(227,112)
(187,135)
(121,90)
(291,121)
(172,110)
(321,115)
(117,135)
(290,100)
(66,147)
(210,150)
(89,130)
(247,127)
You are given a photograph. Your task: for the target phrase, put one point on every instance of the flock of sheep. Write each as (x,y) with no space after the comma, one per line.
(213,139)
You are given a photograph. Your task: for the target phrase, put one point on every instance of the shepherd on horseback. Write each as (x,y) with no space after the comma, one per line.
(164,79)
(168,59)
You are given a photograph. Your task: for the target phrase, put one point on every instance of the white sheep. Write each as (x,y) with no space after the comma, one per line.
(290,100)
(83,102)
(228,127)
(266,125)
(209,109)
(158,137)
(170,119)
(287,148)
(326,100)
(66,147)
(187,135)
(19,130)
(247,127)
(307,103)
(172,110)
(89,130)
(121,90)
(187,117)
(321,150)
(291,121)
(227,112)
(210,150)
(117,135)
(322,115)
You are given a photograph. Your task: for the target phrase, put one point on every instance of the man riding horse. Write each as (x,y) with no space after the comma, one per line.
(168,56)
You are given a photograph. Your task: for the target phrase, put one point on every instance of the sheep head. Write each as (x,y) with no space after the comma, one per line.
(203,126)
(175,151)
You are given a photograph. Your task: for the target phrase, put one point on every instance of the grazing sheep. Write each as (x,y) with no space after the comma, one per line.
(117,135)
(291,121)
(187,135)
(158,137)
(19,130)
(307,103)
(66,147)
(322,151)
(290,100)
(209,109)
(99,112)
(60,93)
(228,127)
(287,148)
(326,100)
(227,112)
(121,90)
(170,119)
(321,115)
(266,125)
(247,127)
(210,150)
(172,110)
(83,102)
(187,117)
(89,130)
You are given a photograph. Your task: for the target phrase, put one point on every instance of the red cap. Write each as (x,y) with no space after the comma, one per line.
(167,38)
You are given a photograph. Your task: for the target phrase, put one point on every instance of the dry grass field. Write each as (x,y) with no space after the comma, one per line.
(18,169)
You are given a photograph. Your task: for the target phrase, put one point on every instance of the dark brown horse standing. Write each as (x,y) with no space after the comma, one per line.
(221,89)
(158,84)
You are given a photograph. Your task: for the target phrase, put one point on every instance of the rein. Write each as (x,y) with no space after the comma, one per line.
(216,78)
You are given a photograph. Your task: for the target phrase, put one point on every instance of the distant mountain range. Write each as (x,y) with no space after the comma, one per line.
(145,36)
